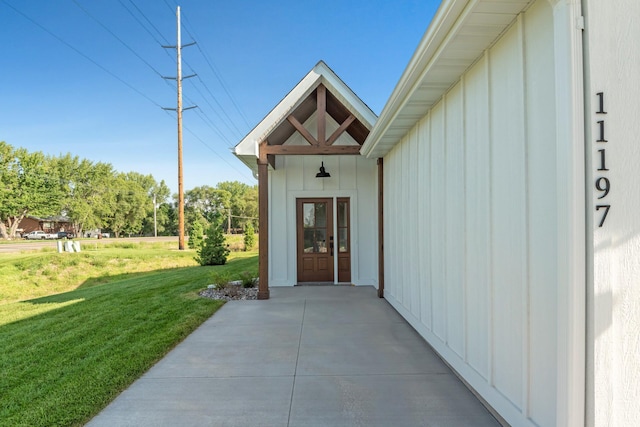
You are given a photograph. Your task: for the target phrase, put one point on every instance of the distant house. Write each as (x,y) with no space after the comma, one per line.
(505,225)
(51,224)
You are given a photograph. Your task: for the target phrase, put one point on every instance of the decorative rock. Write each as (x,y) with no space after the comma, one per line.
(231,292)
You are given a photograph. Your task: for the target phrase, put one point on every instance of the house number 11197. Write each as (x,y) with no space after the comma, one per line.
(603,184)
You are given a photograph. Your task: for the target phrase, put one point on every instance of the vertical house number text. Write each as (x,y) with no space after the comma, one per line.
(603,185)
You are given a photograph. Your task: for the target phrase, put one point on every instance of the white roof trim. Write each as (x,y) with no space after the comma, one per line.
(442,57)
(247,149)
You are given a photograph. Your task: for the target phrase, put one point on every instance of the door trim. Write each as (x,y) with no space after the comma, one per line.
(292,238)
(315,257)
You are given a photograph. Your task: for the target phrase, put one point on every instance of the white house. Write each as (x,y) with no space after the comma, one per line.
(505,226)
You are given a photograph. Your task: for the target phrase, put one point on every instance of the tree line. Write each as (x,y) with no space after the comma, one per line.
(93,195)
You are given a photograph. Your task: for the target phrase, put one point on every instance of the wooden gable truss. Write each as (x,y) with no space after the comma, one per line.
(323,103)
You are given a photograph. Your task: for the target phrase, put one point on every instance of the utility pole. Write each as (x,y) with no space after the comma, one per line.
(229,222)
(178,47)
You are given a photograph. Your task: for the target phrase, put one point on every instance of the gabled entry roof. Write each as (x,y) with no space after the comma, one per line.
(340,103)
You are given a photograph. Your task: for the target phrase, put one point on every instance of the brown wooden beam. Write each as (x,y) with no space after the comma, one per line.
(321,98)
(307,150)
(303,131)
(271,159)
(263,232)
(380,228)
(262,153)
(335,135)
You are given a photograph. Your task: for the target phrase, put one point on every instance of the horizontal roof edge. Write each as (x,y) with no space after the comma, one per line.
(449,20)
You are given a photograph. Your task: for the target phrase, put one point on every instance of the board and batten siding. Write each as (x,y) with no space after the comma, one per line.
(295,177)
(470,223)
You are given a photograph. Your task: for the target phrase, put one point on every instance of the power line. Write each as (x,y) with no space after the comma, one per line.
(215,152)
(117,38)
(216,73)
(79,52)
(214,110)
(149,21)
(133,15)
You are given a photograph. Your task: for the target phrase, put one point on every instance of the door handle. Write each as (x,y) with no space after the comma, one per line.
(331,244)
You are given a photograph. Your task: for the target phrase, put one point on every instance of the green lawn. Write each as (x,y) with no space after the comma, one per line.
(63,357)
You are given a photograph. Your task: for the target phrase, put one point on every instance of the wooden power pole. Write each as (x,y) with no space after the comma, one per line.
(178,47)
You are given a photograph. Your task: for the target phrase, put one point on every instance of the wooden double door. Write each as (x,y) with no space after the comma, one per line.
(320,240)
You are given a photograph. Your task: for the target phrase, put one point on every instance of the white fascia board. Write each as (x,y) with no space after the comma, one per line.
(340,90)
(248,145)
(451,19)
(440,26)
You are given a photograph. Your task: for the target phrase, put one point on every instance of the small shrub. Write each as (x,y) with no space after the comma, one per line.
(249,237)
(213,250)
(248,279)
(220,280)
(195,235)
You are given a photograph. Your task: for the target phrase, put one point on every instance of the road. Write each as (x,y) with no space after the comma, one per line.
(34,245)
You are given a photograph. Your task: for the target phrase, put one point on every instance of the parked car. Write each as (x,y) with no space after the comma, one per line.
(65,235)
(40,235)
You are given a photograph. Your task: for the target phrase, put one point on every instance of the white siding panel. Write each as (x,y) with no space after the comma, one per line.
(294,171)
(392,281)
(311,166)
(478,214)
(413,254)
(508,214)
(423,227)
(348,176)
(278,226)
(439,291)
(455,223)
(403,250)
(364,221)
(543,256)
(612,34)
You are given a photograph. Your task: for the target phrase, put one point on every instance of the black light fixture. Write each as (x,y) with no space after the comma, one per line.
(323,173)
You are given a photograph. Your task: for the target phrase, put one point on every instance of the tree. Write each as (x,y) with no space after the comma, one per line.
(160,193)
(204,204)
(88,186)
(243,201)
(29,184)
(196,235)
(208,201)
(168,219)
(132,202)
(213,251)
(249,236)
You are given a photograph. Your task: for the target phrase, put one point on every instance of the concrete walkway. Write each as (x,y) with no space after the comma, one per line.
(309,356)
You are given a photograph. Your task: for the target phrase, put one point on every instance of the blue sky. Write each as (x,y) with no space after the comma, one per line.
(97,93)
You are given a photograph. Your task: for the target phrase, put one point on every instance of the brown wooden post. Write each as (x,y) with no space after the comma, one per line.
(321,102)
(380,229)
(263,219)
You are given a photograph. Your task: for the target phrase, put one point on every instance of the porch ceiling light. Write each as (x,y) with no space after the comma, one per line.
(323,173)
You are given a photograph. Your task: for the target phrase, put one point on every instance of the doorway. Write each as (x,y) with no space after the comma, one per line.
(319,254)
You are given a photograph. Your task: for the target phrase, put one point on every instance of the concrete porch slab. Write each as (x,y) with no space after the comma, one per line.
(309,356)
